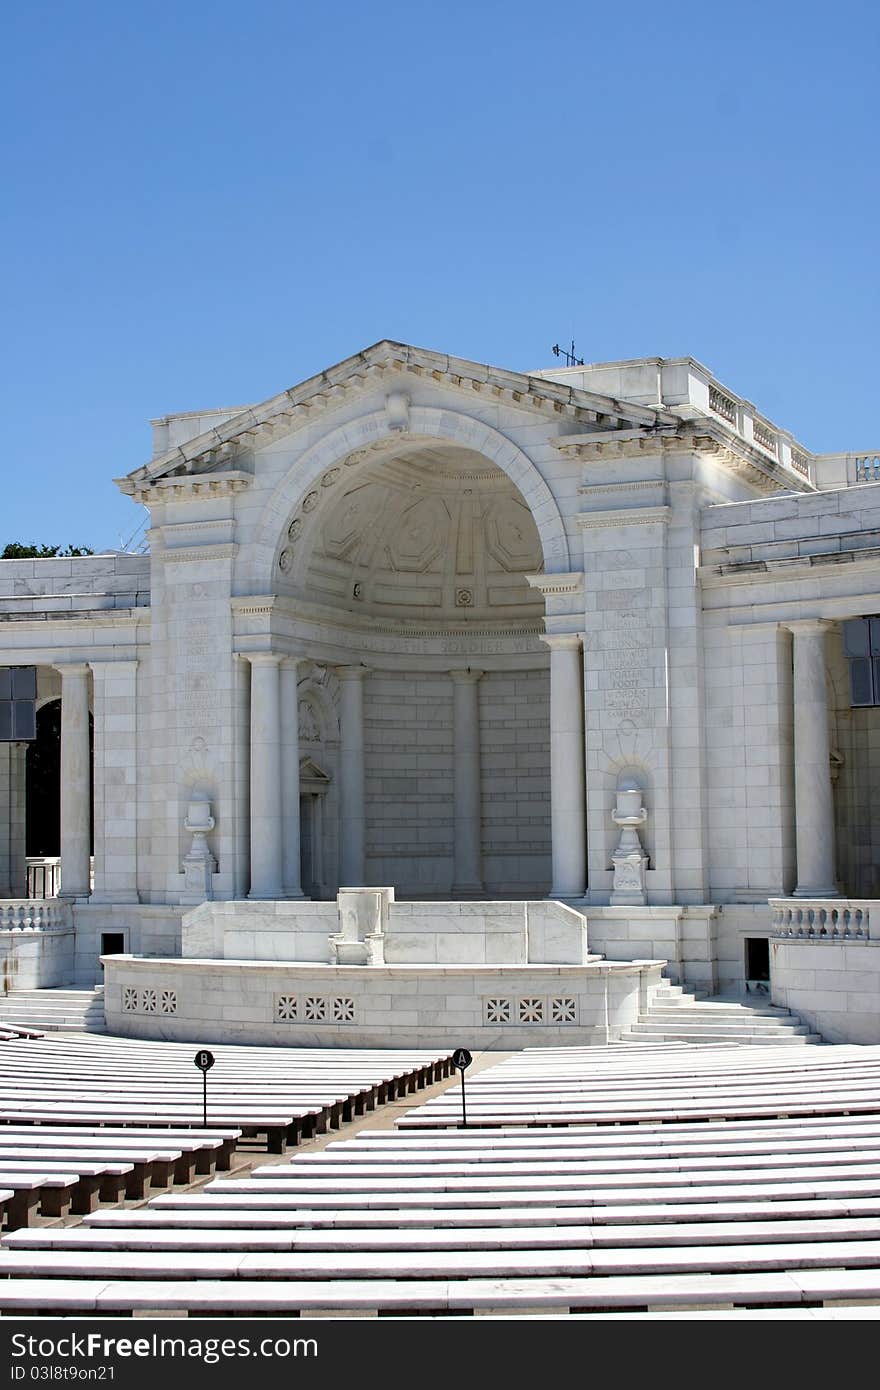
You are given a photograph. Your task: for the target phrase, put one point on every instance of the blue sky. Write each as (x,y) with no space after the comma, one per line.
(203,204)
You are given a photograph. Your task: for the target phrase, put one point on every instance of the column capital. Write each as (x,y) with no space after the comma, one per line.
(111,667)
(72,668)
(263,658)
(466,674)
(563,640)
(809,627)
(351,673)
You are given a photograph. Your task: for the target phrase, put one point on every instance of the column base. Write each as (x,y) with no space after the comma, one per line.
(468,890)
(817,892)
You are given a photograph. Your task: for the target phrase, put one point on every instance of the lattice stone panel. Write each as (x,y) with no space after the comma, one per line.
(149,1001)
(529,1010)
(314,1008)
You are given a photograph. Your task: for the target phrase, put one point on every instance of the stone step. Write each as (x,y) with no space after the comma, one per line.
(685,1034)
(720,1010)
(740,1026)
(55,1010)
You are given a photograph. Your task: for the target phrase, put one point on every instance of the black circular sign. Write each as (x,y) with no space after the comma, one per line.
(461,1058)
(204,1060)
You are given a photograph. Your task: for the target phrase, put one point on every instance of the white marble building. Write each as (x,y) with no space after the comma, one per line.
(592,634)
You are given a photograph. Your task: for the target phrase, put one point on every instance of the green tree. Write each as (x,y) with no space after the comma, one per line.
(16,551)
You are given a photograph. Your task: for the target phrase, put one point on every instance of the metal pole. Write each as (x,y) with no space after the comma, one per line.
(204,1100)
(463,1104)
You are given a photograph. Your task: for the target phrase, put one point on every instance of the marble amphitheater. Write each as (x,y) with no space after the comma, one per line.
(450,706)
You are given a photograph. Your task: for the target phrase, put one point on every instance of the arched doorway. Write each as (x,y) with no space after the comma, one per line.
(416,564)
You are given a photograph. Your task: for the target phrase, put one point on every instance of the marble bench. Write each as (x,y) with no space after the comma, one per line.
(135,1236)
(46,1189)
(212,1149)
(489,1296)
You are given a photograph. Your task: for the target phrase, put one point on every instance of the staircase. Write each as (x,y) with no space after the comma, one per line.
(674,1016)
(55,1010)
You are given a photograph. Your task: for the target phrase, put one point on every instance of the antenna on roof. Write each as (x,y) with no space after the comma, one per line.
(571,358)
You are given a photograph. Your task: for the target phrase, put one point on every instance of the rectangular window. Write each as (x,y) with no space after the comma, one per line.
(18,703)
(861,644)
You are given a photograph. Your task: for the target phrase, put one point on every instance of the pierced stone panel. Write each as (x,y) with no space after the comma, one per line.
(129,1000)
(149,1001)
(498,1010)
(314,1008)
(168,1001)
(530,1010)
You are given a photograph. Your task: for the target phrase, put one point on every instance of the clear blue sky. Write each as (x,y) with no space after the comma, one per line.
(205,203)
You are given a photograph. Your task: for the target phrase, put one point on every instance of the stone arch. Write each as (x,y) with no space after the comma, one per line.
(315,473)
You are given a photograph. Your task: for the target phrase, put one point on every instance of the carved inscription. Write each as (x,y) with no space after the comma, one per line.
(198,658)
(628,666)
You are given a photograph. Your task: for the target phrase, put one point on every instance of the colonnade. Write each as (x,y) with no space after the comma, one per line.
(274,772)
(274,775)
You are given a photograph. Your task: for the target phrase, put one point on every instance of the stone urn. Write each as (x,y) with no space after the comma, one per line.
(199,864)
(629,858)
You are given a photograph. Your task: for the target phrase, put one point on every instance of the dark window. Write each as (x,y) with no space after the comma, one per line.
(18,709)
(112,943)
(861,643)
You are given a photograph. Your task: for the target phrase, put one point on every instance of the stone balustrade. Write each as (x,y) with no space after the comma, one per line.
(35,914)
(822,919)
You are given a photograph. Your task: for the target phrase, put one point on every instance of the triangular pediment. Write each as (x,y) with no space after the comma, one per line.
(310,773)
(212,454)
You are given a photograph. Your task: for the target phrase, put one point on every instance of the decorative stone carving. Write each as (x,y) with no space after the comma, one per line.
(199,864)
(629,859)
(309,728)
(397,410)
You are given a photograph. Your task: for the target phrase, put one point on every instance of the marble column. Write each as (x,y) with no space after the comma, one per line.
(568,828)
(352,847)
(814,805)
(266,776)
(467,874)
(76,797)
(290,780)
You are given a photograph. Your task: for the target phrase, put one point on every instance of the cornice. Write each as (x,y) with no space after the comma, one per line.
(185,488)
(182,555)
(625,516)
(637,485)
(704,435)
(552,584)
(795,567)
(99,617)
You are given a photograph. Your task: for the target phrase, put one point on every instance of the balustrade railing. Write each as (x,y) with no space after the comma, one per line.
(822,919)
(868,468)
(34,914)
